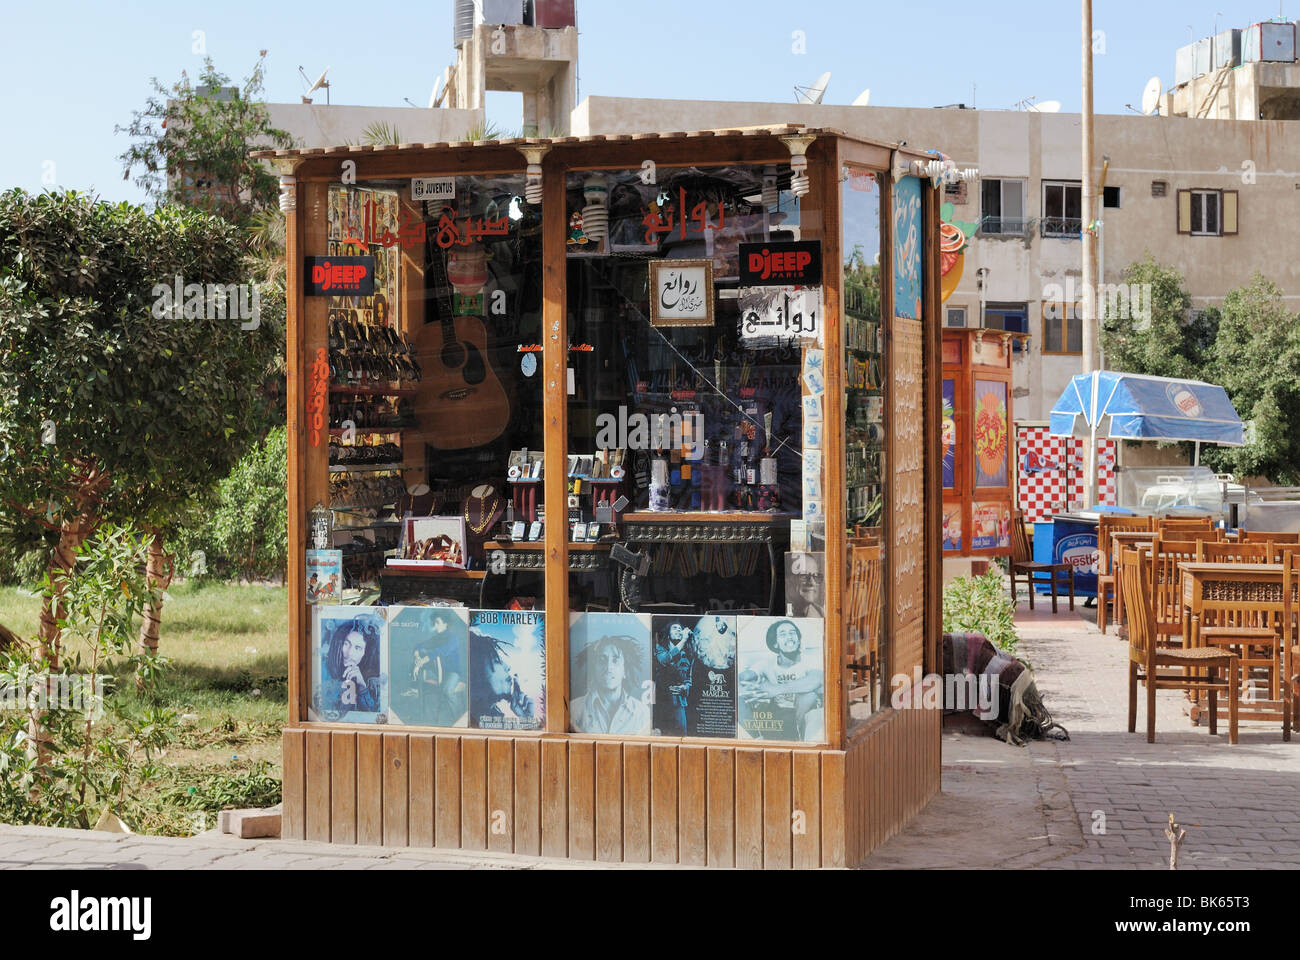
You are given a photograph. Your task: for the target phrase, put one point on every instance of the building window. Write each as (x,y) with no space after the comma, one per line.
(1008,316)
(1002,208)
(1111,197)
(956,317)
(1159,188)
(1062,209)
(955,193)
(1062,329)
(1207,213)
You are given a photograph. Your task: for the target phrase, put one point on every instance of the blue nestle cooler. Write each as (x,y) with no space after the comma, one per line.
(1073,540)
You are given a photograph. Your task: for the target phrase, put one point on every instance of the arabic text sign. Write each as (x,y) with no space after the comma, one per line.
(783,312)
(681,293)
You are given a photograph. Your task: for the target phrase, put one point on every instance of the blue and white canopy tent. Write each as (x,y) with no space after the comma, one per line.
(1130,406)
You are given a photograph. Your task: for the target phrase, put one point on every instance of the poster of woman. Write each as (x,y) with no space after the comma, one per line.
(350,666)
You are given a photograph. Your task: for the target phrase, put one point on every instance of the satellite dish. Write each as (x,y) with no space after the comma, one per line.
(813,94)
(1047,106)
(863,98)
(437,90)
(320,81)
(312,88)
(1151,97)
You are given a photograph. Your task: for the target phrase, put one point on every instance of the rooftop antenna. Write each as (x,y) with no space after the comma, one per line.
(864,98)
(813,94)
(1031,105)
(320,83)
(410,101)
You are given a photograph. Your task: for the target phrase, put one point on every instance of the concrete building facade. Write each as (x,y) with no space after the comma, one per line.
(1213,198)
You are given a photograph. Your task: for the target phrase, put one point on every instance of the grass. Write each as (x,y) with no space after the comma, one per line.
(228,679)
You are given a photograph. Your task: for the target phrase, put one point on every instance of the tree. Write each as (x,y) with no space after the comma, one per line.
(1172,342)
(1256,358)
(112,409)
(192,145)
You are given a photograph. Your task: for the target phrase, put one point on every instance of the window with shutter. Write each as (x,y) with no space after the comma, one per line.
(1184,211)
(1230,207)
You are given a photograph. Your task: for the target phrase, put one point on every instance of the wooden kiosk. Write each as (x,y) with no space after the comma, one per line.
(622,455)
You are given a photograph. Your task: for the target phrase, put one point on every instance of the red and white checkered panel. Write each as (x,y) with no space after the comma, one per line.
(1051,472)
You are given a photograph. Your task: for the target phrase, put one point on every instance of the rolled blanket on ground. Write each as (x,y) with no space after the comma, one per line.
(1004,683)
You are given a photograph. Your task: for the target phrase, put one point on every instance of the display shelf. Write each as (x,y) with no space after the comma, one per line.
(377,525)
(369,468)
(368,431)
(699,516)
(362,506)
(374,390)
(445,573)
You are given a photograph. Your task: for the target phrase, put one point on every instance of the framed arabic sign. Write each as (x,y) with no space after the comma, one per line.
(681,293)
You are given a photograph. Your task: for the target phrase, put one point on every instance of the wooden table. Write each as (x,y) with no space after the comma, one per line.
(1209,587)
(1127,540)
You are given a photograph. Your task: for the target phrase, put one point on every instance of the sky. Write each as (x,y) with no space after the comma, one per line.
(71,72)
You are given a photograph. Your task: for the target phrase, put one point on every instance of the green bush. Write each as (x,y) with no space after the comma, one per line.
(100,747)
(981,605)
(244,530)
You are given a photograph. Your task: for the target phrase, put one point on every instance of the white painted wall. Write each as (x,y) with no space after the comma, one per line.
(321,125)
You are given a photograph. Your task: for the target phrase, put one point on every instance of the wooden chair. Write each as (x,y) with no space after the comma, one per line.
(864,614)
(1213,552)
(1252,629)
(1188,529)
(1146,656)
(1023,566)
(1266,536)
(1108,524)
(1167,587)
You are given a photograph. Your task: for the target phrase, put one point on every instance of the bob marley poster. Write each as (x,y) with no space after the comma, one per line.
(507,669)
(429,666)
(695,675)
(349,666)
(780,673)
(610,690)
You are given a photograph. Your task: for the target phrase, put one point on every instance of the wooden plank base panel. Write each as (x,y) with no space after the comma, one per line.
(672,802)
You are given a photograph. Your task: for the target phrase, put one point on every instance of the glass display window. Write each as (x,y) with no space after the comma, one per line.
(696,424)
(435,449)
(865,429)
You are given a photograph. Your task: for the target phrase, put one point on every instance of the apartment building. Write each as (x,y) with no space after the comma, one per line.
(1215,198)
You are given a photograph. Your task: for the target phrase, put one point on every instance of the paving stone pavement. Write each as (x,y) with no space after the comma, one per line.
(44,848)
(1102,799)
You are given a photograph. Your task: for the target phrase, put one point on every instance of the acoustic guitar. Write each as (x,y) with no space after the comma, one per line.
(470,407)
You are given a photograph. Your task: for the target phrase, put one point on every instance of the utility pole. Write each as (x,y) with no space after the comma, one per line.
(1089,215)
(1089,211)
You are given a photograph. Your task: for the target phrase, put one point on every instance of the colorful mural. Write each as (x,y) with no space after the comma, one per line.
(949,435)
(990,433)
(954,238)
(907,248)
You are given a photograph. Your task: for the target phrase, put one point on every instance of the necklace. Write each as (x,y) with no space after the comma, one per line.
(486,516)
